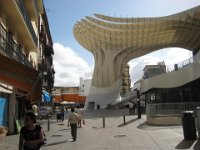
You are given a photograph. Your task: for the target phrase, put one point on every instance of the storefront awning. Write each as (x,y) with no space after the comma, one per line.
(20,76)
(46,97)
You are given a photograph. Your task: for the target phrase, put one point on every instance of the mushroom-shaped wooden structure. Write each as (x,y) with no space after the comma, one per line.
(115,41)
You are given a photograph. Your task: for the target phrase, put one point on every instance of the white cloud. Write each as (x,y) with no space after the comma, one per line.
(69,66)
(171,56)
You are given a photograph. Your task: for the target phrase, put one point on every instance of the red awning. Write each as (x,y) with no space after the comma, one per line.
(20,76)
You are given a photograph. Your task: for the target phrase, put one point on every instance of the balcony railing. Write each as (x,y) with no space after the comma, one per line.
(26,18)
(36,5)
(9,48)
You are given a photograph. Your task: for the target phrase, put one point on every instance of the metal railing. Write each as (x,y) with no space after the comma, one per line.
(22,9)
(36,5)
(10,48)
(126,98)
(169,109)
(180,65)
(176,67)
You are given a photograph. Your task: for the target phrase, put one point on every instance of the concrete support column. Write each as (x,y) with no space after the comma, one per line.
(103,96)
(106,81)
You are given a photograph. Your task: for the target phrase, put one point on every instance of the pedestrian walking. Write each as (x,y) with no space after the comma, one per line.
(35,110)
(62,113)
(73,122)
(80,116)
(31,135)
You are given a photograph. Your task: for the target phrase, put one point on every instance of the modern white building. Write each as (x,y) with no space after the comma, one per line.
(84,86)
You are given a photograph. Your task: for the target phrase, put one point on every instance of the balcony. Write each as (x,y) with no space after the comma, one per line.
(32,9)
(9,48)
(27,20)
(36,5)
(48,51)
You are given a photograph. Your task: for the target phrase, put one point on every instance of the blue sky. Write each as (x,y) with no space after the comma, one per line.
(63,14)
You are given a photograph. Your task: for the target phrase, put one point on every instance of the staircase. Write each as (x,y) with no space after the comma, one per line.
(126,98)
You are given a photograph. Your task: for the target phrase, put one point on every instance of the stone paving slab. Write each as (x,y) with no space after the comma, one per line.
(134,135)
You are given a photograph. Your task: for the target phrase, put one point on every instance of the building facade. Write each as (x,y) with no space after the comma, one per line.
(177,85)
(68,94)
(77,94)
(153,70)
(20,51)
(126,81)
(84,86)
(46,52)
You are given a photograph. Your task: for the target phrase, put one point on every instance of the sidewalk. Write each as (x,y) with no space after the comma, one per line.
(134,135)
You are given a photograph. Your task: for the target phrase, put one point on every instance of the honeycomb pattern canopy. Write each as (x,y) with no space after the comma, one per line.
(178,30)
(115,41)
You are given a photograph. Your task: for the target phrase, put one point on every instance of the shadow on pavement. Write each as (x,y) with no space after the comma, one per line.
(128,122)
(64,129)
(185,144)
(142,125)
(56,143)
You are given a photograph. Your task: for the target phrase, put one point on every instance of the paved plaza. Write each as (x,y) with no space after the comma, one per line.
(134,135)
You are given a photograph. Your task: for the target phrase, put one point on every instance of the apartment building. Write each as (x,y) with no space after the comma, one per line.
(25,58)
(126,81)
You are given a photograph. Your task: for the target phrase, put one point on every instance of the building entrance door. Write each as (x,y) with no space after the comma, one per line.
(3,112)
(91,105)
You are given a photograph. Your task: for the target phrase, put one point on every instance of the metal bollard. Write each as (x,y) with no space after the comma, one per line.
(48,123)
(103,122)
(124,118)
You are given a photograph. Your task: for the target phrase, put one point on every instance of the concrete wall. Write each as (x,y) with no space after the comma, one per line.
(84,87)
(103,96)
(164,121)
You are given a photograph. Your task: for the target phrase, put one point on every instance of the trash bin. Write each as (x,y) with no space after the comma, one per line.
(189,129)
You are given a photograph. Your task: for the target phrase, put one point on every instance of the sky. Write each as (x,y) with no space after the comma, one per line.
(72,61)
